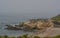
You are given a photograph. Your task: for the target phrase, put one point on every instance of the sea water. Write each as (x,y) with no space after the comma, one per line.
(10,20)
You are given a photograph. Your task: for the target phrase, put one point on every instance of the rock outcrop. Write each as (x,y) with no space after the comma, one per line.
(38,24)
(11,27)
(34,24)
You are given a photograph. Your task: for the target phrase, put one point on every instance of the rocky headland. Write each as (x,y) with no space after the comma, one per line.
(40,26)
(32,24)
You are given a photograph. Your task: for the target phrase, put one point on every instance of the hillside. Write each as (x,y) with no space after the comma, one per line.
(57,18)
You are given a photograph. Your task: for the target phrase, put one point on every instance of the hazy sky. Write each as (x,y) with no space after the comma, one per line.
(42,8)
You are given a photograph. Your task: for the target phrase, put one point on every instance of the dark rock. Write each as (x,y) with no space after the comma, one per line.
(56,22)
(11,27)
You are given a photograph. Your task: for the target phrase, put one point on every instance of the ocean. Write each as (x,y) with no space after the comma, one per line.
(15,19)
(10,20)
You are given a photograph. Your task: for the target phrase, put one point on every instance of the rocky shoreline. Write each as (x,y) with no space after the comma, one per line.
(32,24)
(43,27)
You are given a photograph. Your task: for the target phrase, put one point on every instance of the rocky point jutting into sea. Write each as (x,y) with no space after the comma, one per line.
(32,24)
(40,26)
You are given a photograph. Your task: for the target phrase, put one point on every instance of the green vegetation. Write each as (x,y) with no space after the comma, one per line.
(5,36)
(58,36)
(36,37)
(25,36)
(57,18)
(0,36)
(12,37)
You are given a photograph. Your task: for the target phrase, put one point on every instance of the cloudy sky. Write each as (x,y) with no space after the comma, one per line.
(37,8)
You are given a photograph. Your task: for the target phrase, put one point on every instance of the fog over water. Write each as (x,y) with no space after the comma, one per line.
(29,8)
